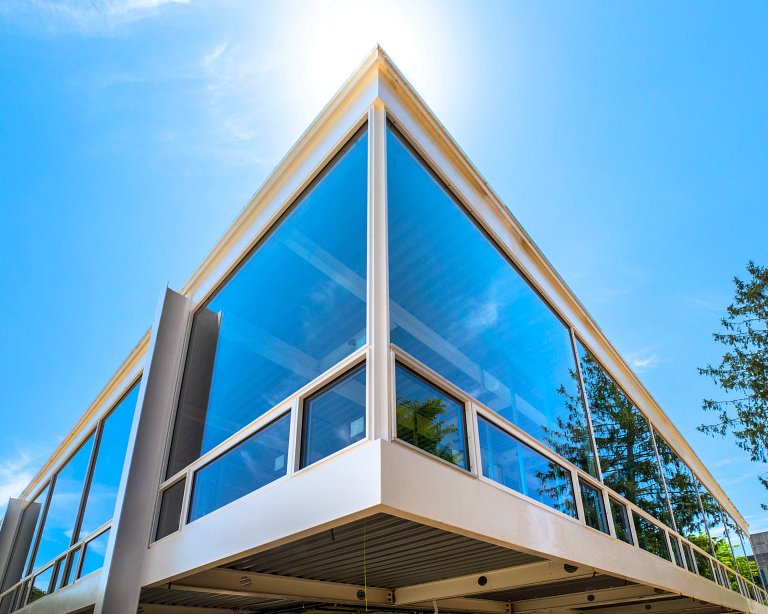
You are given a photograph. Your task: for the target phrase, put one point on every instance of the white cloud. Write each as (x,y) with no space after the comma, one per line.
(16,472)
(643,360)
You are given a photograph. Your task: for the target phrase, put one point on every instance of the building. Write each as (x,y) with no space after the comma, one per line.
(375,394)
(760,548)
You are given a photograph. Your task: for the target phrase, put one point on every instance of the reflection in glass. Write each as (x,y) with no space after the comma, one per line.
(70,571)
(743,565)
(677,556)
(334,418)
(429,419)
(689,558)
(732,581)
(95,551)
(719,546)
(620,521)
(251,464)
(102,494)
(170,509)
(517,466)
(625,448)
(38,508)
(651,537)
(594,515)
(62,512)
(461,308)
(682,495)
(40,585)
(293,310)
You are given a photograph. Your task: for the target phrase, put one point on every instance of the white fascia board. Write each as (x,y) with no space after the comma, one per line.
(418,488)
(319,498)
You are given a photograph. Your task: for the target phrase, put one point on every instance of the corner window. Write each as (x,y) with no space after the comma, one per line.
(510,462)
(334,418)
(430,419)
(620,521)
(594,514)
(651,537)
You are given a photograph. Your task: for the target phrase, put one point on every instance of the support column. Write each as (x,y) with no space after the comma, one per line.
(15,541)
(135,507)
(379,375)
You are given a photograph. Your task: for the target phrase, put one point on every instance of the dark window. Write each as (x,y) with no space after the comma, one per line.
(295,308)
(620,521)
(334,418)
(95,551)
(510,462)
(651,537)
(624,444)
(170,509)
(594,514)
(430,419)
(251,464)
(460,307)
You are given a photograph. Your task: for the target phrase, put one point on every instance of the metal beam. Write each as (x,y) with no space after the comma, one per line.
(269,586)
(685,604)
(154,608)
(463,604)
(499,580)
(634,592)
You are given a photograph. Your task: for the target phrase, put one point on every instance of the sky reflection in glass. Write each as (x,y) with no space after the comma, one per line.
(294,309)
(95,551)
(461,308)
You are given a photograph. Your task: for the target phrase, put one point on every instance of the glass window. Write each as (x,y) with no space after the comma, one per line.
(95,551)
(750,558)
(39,509)
(295,308)
(102,493)
(623,439)
(752,594)
(620,521)
(594,515)
(170,509)
(70,571)
(65,503)
(720,547)
(460,307)
(430,419)
(251,464)
(334,418)
(512,463)
(651,537)
(677,556)
(682,495)
(40,585)
(689,558)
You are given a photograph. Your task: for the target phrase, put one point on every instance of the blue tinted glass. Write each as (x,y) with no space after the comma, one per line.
(625,448)
(334,418)
(461,308)
(257,461)
(295,308)
(594,515)
(35,508)
(510,462)
(95,551)
(171,502)
(651,537)
(102,494)
(68,574)
(67,492)
(40,585)
(429,419)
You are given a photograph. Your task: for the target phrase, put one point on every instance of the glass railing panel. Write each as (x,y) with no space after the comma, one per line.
(95,551)
(594,512)
(651,537)
(620,521)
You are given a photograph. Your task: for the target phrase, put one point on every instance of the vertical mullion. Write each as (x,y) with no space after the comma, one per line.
(661,472)
(87,482)
(703,513)
(41,526)
(728,537)
(587,411)
(377,306)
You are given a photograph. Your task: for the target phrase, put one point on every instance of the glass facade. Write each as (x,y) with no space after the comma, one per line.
(294,309)
(334,418)
(594,514)
(171,501)
(460,307)
(95,551)
(429,419)
(251,464)
(510,462)
(651,537)
(620,521)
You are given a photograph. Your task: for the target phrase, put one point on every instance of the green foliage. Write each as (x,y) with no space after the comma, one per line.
(418,424)
(743,370)
(35,594)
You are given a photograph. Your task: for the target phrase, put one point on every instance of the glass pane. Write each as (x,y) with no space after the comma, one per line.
(682,495)
(102,494)
(620,521)
(334,418)
(751,590)
(430,419)
(593,507)
(39,509)
(690,559)
(170,509)
(62,513)
(40,585)
(294,309)
(677,557)
(734,585)
(251,464)
(757,576)
(517,466)
(95,550)
(623,439)
(461,308)
(720,547)
(651,538)
(71,571)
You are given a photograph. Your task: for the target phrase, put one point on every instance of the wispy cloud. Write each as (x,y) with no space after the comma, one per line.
(16,472)
(642,360)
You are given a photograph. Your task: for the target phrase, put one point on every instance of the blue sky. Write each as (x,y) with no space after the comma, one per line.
(630,140)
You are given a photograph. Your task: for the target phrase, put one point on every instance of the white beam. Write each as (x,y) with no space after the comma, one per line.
(634,592)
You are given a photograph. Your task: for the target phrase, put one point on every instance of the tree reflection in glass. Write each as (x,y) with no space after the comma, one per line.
(625,448)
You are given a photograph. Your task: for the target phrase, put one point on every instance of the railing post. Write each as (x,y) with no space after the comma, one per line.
(134,511)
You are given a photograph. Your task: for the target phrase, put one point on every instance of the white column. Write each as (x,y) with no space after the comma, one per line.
(15,541)
(379,375)
(135,508)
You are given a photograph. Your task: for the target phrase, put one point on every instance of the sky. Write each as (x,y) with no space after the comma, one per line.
(629,139)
